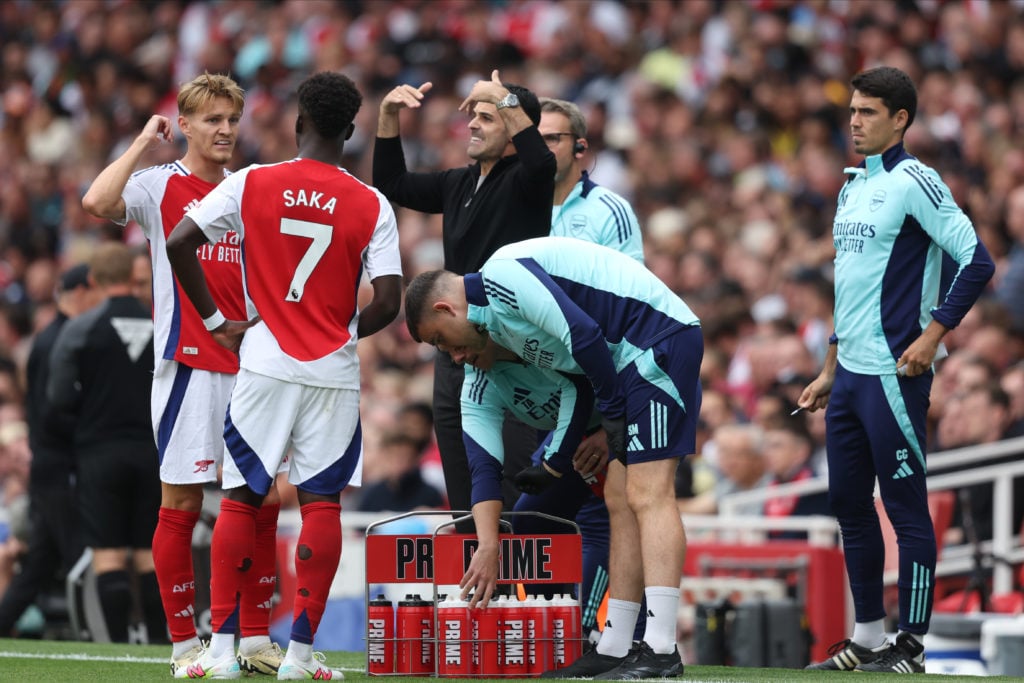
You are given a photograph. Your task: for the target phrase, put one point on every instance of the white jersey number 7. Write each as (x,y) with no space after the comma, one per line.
(321,234)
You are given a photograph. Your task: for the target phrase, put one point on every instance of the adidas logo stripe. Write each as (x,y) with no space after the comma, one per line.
(846,660)
(187,612)
(903,667)
(904,471)
(659,424)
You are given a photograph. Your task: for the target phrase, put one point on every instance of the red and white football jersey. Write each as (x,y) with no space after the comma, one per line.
(308,232)
(157,198)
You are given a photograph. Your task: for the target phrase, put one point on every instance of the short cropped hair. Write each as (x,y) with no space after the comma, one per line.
(111,264)
(203,89)
(891,85)
(577,124)
(330,100)
(419,296)
(527,100)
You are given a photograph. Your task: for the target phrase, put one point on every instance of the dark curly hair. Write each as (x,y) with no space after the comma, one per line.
(330,100)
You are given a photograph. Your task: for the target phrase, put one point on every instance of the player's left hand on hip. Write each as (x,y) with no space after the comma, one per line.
(230,334)
(534,480)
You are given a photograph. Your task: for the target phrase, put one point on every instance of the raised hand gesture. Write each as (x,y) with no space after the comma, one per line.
(404,96)
(158,129)
(491,91)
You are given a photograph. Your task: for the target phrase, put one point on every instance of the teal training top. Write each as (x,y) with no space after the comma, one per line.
(596,214)
(549,401)
(894,219)
(565,304)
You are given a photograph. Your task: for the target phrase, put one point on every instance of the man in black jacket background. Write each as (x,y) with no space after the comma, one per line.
(504,197)
(54,543)
(101,375)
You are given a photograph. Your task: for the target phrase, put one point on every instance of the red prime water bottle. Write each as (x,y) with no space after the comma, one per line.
(537,634)
(565,630)
(415,636)
(474,626)
(454,638)
(487,663)
(380,636)
(514,626)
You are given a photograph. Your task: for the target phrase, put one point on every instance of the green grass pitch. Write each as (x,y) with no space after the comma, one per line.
(33,660)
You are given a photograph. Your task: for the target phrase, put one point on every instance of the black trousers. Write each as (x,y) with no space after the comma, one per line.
(520,439)
(54,546)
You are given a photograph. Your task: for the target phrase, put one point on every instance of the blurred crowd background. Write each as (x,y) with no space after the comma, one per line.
(724,123)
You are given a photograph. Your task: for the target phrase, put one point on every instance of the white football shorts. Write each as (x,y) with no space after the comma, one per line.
(188,408)
(267,417)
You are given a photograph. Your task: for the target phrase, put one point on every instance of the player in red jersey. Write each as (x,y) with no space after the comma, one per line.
(308,231)
(193,374)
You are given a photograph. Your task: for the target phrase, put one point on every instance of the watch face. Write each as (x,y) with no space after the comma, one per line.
(510,100)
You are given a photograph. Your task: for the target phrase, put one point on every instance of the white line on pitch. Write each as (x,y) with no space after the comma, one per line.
(77,656)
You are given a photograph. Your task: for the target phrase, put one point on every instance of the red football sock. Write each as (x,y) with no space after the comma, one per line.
(231,560)
(256,601)
(172,556)
(316,562)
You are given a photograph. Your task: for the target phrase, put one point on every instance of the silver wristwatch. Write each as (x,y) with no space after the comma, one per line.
(509,100)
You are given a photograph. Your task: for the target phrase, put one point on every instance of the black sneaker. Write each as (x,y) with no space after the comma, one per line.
(643,662)
(846,655)
(905,656)
(589,665)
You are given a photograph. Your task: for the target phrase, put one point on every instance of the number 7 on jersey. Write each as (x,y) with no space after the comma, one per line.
(321,234)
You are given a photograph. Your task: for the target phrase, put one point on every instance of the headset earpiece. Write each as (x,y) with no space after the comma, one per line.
(579,147)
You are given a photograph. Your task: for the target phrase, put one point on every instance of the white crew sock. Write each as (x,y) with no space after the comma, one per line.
(870,634)
(662,608)
(617,636)
(221,643)
(299,653)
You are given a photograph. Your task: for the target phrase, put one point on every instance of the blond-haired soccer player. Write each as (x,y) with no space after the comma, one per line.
(193,375)
(310,230)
